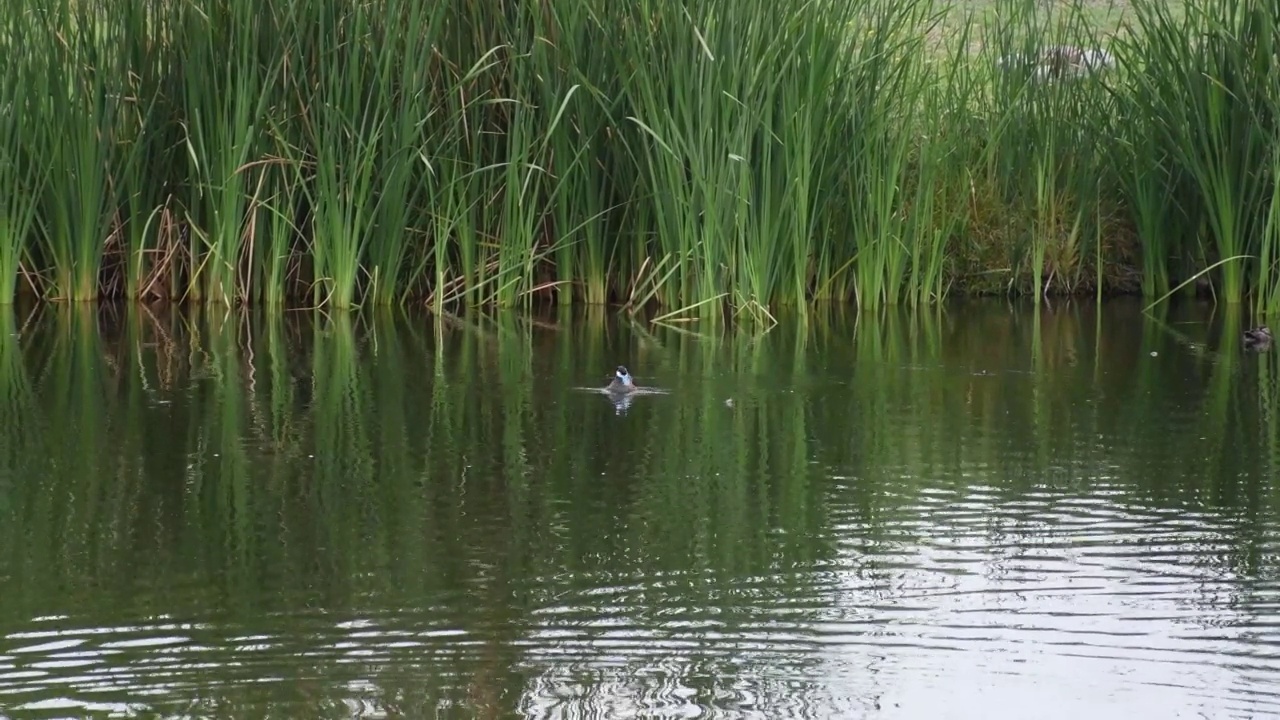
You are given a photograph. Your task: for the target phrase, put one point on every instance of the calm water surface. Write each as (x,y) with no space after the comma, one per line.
(991,512)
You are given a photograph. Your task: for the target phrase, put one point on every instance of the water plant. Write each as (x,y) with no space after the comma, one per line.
(22,176)
(710,155)
(1203,86)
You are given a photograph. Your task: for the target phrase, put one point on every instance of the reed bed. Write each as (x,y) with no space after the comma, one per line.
(688,157)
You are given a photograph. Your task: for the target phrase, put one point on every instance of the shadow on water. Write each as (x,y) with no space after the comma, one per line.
(320,515)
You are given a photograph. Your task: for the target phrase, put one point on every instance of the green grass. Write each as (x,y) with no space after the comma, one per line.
(679,157)
(1106,18)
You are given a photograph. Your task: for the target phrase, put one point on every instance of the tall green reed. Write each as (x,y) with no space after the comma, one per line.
(521,241)
(22,174)
(937,207)
(583,152)
(1204,85)
(272,229)
(341,113)
(79,134)
(579,95)
(1267,299)
(1050,114)
(685,123)
(750,155)
(226,87)
(719,141)
(464,184)
(145,257)
(887,87)
(412,95)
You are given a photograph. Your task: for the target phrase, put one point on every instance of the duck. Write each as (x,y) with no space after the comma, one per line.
(622,382)
(1258,338)
(1057,61)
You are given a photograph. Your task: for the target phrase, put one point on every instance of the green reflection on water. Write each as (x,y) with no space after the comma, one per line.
(280,476)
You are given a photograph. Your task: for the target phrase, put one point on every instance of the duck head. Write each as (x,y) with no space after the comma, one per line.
(622,376)
(1258,338)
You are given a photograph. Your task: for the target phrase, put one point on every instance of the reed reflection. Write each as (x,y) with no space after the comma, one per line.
(316,513)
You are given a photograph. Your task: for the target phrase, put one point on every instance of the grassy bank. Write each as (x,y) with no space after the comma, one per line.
(683,156)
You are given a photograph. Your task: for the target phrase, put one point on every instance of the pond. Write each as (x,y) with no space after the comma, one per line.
(986,510)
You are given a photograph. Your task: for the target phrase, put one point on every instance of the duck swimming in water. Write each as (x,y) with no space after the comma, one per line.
(1258,338)
(622,390)
(622,382)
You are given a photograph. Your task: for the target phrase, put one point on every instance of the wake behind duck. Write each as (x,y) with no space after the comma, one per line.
(622,388)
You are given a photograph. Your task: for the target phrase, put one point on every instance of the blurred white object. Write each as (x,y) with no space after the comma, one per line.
(1056,61)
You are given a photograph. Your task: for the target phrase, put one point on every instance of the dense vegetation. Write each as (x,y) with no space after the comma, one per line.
(685,154)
